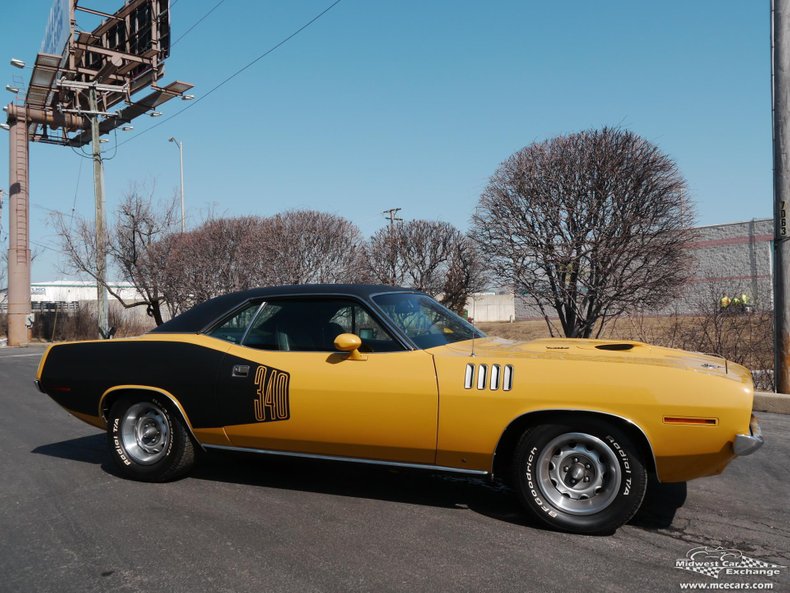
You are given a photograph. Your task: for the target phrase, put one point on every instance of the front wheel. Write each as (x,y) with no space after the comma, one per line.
(147,442)
(584,477)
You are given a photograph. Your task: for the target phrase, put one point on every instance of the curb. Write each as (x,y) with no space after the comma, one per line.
(777,403)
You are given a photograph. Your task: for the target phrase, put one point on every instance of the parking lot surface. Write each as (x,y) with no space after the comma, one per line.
(254,523)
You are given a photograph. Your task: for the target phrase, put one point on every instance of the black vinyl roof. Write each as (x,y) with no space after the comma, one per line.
(202,315)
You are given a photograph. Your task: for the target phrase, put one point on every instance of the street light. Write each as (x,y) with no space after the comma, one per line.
(181,161)
(17,63)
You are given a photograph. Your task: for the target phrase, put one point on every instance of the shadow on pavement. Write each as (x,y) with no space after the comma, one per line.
(660,504)
(90,449)
(411,486)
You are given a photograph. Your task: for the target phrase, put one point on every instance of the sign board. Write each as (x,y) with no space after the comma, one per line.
(56,34)
(783,219)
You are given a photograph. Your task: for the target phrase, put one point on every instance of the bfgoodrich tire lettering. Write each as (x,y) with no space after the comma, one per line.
(147,442)
(582,477)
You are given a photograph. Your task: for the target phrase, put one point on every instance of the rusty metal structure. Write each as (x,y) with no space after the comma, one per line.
(83,85)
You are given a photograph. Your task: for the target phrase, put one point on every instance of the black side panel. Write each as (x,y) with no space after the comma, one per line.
(262,394)
(76,375)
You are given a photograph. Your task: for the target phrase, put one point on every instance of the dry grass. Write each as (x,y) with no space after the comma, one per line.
(625,328)
(743,338)
(60,326)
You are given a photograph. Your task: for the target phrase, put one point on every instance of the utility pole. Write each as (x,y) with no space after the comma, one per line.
(393,244)
(391,215)
(780,74)
(101,233)
(181,161)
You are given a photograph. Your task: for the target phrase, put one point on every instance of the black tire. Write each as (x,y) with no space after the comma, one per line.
(581,477)
(148,443)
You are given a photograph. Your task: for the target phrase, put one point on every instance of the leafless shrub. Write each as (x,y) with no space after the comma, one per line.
(740,334)
(61,325)
(587,226)
(67,323)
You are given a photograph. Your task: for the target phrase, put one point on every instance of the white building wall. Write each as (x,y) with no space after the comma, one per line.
(491,307)
(71,291)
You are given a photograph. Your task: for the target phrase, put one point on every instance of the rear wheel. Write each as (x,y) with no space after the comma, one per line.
(584,477)
(147,442)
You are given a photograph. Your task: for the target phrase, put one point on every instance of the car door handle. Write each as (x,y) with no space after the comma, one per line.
(240,370)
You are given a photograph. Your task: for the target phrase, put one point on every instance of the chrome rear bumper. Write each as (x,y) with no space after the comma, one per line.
(746,444)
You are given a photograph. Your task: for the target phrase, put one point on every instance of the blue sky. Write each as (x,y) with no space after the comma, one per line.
(414,104)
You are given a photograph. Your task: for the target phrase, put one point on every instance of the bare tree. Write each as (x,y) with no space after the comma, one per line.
(431,256)
(223,255)
(465,274)
(588,226)
(384,261)
(305,246)
(131,242)
(3,263)
(208,261)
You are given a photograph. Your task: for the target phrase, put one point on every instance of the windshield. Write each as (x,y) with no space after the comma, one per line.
(425,321)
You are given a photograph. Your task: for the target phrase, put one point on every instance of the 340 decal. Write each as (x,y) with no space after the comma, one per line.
(272,401)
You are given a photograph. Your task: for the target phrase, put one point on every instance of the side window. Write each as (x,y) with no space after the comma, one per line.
(355,319)
(311,325)
(233,328)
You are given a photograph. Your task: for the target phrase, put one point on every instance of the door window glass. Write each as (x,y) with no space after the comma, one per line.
(302,325)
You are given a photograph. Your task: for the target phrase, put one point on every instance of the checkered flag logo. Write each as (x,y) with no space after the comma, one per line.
(712,561)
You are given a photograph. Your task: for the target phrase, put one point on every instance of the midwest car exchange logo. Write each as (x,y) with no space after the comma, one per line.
(715,562)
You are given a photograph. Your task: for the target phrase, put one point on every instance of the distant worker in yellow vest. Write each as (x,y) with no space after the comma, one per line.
(746,303)
(724,302)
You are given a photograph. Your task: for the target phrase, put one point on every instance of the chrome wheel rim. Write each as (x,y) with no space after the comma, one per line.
(578,473)
(145,433)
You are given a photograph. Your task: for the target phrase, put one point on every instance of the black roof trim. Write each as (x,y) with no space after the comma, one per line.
(203,314)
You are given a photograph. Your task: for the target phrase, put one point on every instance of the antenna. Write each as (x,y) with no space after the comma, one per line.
(474,334)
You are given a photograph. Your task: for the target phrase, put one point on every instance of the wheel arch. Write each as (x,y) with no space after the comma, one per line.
(113,394)
(503,454)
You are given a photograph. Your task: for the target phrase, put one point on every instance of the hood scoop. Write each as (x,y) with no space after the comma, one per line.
(616,347)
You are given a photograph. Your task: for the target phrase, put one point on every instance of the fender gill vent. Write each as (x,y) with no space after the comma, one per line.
(494,377)
(499,376)
(507,379)
(469,374)
(481,376)
(615,346)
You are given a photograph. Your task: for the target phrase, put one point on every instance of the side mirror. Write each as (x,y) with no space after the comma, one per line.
(350,343)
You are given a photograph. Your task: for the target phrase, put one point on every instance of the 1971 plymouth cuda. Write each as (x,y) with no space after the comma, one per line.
(387,375)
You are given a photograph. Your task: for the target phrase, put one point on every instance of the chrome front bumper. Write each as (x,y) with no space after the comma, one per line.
(746,444)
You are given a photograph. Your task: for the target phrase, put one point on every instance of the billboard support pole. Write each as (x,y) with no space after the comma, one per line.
(19,306)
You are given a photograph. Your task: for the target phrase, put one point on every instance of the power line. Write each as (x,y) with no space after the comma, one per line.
(76,192)
(236,73)
(200,20)
(43,245)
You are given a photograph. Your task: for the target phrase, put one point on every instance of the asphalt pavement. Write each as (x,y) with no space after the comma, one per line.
(68,523)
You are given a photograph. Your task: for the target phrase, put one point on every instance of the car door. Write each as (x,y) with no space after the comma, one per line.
(285,388)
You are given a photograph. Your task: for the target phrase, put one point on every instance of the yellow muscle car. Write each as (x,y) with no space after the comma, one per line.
(387,375)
